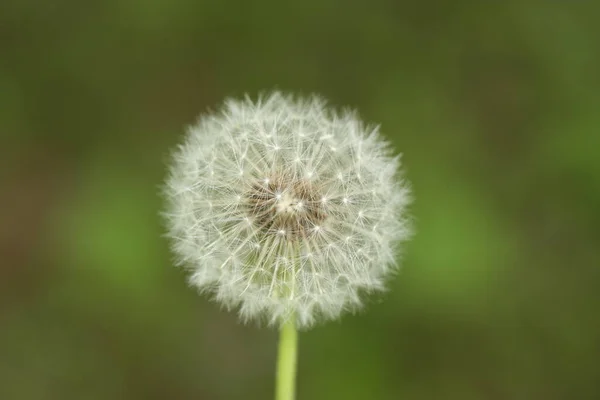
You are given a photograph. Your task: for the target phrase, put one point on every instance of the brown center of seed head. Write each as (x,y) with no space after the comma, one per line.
(291,208)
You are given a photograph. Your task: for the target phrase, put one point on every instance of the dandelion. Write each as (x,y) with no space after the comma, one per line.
(286,210)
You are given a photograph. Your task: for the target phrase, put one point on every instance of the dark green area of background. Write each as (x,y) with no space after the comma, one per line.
(495,106)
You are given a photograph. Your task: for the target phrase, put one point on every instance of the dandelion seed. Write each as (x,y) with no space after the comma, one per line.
(281,207)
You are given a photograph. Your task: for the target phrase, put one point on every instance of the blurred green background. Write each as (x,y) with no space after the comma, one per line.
(495,106)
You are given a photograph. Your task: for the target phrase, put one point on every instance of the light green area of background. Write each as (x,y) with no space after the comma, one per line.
(495,106)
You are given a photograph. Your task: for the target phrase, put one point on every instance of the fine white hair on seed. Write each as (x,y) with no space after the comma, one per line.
(284,208)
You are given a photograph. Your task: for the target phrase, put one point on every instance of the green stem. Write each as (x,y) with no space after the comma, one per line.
(286,361)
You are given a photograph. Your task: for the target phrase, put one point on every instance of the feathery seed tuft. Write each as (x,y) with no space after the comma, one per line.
(283,208)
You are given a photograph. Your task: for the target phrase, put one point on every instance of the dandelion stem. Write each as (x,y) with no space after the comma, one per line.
(286,361)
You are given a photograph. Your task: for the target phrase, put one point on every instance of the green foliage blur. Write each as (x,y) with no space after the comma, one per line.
(495,106)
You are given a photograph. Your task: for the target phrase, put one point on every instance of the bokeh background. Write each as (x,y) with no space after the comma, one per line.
(495,106)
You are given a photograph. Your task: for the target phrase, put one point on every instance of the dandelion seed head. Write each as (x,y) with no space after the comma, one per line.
(282,207)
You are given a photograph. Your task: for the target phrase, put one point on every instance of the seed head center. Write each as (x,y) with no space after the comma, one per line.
(288,204)
(286,207)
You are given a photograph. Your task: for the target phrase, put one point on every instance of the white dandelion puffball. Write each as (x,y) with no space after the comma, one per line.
(283,208)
